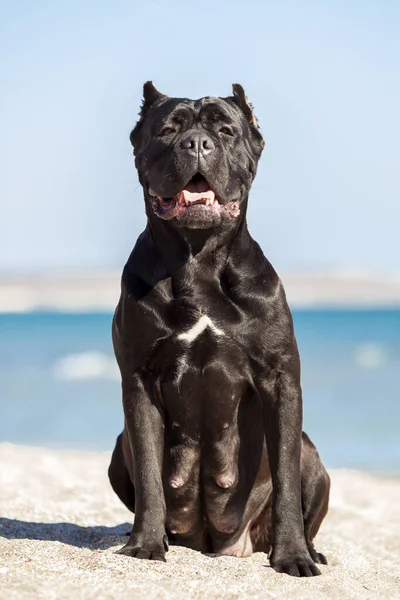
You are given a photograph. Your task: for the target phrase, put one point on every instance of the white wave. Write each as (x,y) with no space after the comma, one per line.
(86,365)
(370,356)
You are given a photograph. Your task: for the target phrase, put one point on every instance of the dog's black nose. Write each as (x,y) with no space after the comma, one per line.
(197,143)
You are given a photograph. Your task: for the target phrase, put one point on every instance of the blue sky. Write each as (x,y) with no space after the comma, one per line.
(324,77)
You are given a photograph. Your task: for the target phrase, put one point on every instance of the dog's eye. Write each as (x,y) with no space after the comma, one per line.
(167,131)
(226,130)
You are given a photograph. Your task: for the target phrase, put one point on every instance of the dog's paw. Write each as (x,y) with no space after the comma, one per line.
(297,565)
(142,548)
(317,557)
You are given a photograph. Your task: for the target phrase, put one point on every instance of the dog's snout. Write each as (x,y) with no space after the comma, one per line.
(197,143)
(188,143)
(206,145)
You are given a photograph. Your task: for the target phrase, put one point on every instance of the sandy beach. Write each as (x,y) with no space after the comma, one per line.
(61,524)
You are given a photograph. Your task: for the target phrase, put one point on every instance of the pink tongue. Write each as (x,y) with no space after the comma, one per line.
(197,191)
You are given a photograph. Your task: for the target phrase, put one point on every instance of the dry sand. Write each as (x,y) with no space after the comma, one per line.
(61,523)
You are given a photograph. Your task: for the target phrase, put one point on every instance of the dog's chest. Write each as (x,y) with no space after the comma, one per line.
(191,334)
(193,346)
(201,376)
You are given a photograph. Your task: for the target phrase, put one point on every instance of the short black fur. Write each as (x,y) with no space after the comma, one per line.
(212,455)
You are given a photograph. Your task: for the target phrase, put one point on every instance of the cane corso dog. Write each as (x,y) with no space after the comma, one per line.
(212,455)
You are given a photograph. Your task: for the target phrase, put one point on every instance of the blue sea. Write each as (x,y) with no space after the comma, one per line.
(59,383)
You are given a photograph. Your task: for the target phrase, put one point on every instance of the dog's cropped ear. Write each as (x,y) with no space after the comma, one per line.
(241,100)
(151,96)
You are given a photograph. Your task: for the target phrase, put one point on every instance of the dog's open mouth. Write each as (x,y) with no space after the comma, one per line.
(197,191)
(197,195)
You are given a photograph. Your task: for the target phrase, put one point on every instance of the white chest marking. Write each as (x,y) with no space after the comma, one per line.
(198,328)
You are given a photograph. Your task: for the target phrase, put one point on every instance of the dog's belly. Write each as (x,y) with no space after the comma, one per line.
(216,474)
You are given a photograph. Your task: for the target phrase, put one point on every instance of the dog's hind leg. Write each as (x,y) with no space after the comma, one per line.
(120,479)
(315,485)
(261,530)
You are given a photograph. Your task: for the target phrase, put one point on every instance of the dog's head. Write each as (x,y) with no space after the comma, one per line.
(196,159)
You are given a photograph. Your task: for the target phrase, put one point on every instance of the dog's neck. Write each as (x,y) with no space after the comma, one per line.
(179,245)
(191,259)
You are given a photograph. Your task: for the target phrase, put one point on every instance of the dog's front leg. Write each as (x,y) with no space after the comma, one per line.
(282,409)
(145,428)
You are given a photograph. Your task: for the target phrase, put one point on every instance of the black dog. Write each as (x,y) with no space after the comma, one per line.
(212,455)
